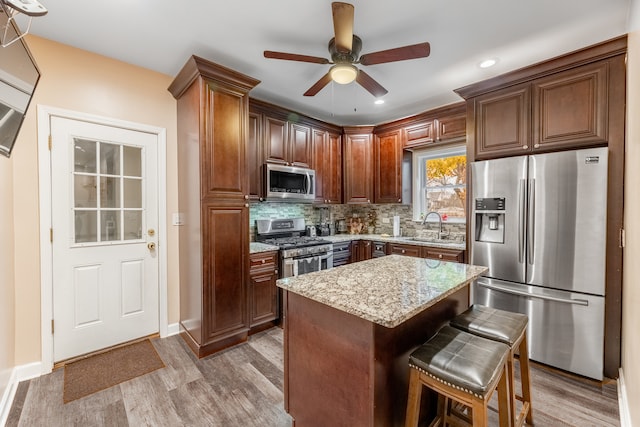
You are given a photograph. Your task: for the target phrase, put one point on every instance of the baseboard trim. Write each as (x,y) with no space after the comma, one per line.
(19,373)
(625,415)
(173,329)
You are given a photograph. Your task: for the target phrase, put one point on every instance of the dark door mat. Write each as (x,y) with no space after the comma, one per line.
(104,370)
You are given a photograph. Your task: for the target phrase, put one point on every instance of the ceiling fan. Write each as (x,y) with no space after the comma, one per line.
(345,52)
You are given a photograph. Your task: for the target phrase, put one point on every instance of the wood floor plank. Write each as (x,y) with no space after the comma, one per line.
(242,387)
(148,403)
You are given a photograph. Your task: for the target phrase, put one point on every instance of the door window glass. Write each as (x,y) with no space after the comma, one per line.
(107,192)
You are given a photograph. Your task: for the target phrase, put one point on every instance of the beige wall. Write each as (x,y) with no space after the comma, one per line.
(7,309)
(77,80)
(631,286)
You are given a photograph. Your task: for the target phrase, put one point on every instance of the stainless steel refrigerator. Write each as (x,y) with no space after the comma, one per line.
(539,223)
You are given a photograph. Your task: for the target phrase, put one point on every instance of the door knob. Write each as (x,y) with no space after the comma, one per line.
(151,246)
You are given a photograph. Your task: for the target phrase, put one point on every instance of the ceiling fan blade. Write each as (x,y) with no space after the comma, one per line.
(343,26)
(420,50)
(317,87)
(367,82)
(295,57)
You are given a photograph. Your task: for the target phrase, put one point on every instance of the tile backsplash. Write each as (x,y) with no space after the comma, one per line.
(377,218)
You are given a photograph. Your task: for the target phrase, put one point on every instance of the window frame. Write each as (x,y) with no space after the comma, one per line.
(419,158)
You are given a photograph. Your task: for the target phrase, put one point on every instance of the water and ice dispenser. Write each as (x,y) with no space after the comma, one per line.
(489,220)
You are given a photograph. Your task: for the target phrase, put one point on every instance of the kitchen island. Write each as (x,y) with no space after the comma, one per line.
(349,331)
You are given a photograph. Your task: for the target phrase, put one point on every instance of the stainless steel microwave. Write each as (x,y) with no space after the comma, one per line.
(289,183)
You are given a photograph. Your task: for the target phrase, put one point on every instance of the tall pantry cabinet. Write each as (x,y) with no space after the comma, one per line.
(213,193)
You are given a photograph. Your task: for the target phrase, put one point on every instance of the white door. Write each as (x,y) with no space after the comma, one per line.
(104,220)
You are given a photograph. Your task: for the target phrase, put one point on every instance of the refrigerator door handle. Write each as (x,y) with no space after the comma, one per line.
(530,295)
(521,219)
(531,221)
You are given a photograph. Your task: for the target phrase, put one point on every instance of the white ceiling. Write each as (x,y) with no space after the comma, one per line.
(160,35)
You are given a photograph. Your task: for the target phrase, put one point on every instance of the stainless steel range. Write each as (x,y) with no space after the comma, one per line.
(299,254)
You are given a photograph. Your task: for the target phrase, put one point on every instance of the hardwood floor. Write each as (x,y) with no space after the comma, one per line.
(242,386)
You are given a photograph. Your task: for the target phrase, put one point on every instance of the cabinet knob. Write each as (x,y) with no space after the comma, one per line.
(246,197)
(399,200)
(264,260)
(403,251)
(536,145)
(524,147)
(440,256)
(246,205)
(368,201)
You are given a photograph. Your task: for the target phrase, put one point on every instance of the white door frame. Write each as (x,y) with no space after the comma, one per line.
(46,256)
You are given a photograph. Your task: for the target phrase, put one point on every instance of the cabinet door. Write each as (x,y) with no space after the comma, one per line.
(225,242)
(366,251)
(388,167)
(570,108)
(299,145)
(264,297)
(275,140)
(319,146)
(254,156)
(419,134)
(333,169)
(224,161)
(443,254)
(358,164)
(407,250)
(502,122)
(452,128)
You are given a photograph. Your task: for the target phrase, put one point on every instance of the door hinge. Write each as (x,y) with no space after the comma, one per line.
(51,235)
(623,238)
(52,327)
(50,143)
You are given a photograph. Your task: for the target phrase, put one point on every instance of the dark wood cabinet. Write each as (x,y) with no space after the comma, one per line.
(263,292)
(443,254)
(255,156)
(213,193)
(299,145)
(275,140)
(332,169)
(405,249)
(358,165)
(318,151)
(388,167)
(564,110)
(570,108)
(361,250)
(502,124)
(443,125)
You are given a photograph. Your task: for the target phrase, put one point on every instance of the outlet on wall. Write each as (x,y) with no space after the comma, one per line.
(386,220)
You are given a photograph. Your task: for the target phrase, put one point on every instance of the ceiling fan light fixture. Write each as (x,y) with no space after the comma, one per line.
(343,73)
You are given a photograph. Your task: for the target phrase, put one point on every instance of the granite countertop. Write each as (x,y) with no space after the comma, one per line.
(257,247)
(406,240)
(387,290)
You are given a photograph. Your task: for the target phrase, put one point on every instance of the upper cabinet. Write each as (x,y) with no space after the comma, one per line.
(327,162)
(443,125)
(387,153)
(358,164)
(299,145)
(560,104)
(254,155)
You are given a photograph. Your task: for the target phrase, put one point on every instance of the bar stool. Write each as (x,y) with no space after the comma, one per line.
(511,329)
(463,367)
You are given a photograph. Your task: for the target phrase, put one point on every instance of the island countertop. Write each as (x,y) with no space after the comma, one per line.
(387,290)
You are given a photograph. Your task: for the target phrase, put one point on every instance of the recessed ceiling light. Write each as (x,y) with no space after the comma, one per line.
(379,101)
(488,63)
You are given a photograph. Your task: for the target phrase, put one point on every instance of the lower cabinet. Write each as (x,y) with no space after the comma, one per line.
(406,250)
(456,255)
(263,293)
(360,250)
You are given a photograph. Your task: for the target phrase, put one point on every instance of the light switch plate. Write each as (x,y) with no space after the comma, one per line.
(177,218)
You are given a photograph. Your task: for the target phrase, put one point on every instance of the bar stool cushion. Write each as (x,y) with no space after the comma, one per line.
(487,322)
(468,362)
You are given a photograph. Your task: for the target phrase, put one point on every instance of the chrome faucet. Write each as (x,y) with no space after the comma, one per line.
(424,220)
